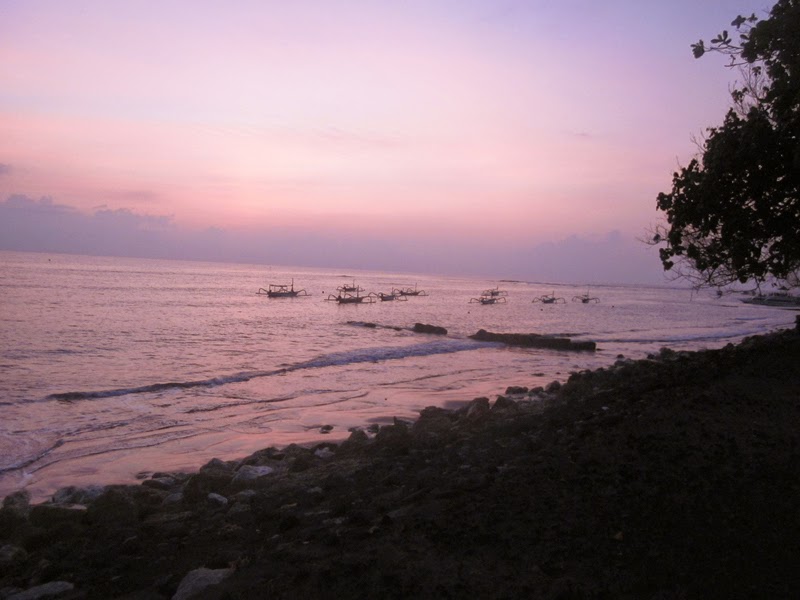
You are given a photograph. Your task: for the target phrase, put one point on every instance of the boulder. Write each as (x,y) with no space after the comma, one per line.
(114,506)
(208,480)
(52,589)
(18,503)
(77,495)
(434,329)
(50,515)
(249,473)
(533,340)
(195,582)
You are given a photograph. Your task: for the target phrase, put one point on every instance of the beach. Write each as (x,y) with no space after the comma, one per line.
(674,476)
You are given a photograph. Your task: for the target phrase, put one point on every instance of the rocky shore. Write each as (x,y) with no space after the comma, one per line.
(667,478)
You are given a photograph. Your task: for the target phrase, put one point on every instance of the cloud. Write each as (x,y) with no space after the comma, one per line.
(5,169)
(42,225)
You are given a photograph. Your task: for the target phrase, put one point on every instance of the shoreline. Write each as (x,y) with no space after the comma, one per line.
(674,476)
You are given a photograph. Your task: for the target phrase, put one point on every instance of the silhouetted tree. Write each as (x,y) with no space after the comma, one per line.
(734,213)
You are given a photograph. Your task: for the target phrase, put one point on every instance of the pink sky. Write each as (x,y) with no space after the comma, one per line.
(519,124)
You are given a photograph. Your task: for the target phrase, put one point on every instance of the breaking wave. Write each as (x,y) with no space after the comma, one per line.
(446,346)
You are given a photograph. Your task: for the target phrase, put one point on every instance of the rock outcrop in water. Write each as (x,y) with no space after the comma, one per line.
(534,340)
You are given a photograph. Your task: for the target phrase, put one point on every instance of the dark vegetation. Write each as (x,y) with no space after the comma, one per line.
(733,214)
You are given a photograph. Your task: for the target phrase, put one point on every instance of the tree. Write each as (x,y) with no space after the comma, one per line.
(733,214)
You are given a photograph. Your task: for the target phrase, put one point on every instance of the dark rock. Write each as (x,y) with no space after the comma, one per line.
(533,340)
(476,409)
(52,589)
(516,389)
(18,502)
(198,581)
(114,506)
(76,495)
(10,557)
(51,515)
(423,328)
(503,404)
(209,480)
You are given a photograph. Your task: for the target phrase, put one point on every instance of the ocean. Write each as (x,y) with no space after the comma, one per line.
(111,368)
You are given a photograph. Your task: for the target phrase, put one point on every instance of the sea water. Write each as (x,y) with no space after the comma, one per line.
(110,367)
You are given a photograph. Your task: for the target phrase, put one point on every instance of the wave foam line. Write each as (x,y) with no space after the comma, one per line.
(328,360)
(29,461)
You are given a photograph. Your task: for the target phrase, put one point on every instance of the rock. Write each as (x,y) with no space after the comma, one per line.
(52,589)
(394,438)
(198,580)
(114,506)
(50,515)
(160,483)
(76,495)
(208,480)
(175,498)
(358,439)
(250,473)
(503,404)
(18,503)
(533,340)
(216,464)
(217,500)
(516,389)
(476,409)
(10,556)
(553,386)
(423,328)
(324,453)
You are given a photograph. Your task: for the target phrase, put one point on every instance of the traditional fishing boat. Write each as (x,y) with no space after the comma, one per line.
(391,297)
(349,289)
(489,297)
(409,291)
(350,298)
(585,298)
(494,293)
(549,299)
(779,299)
(276,290)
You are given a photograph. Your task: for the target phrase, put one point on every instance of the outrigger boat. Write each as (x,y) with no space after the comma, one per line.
(780,299)
(349,298)
(549,299)
(585,298)
(490,297)
(494,293)
(392,296)
(275,290)
(347,289)
(409,292)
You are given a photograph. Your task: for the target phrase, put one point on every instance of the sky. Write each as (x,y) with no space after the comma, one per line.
(520,139)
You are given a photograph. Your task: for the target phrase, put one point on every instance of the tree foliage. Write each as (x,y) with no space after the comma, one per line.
(733,213)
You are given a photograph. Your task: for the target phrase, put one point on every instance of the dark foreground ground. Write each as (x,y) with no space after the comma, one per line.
(676,477)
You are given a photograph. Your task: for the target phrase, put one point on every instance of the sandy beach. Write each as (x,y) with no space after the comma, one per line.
(671,477)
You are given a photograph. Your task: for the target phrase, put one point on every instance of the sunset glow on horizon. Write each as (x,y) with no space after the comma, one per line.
(428,125)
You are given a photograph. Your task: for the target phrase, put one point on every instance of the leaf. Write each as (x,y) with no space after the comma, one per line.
(698,49)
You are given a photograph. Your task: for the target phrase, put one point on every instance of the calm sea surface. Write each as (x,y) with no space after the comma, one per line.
(113,366)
